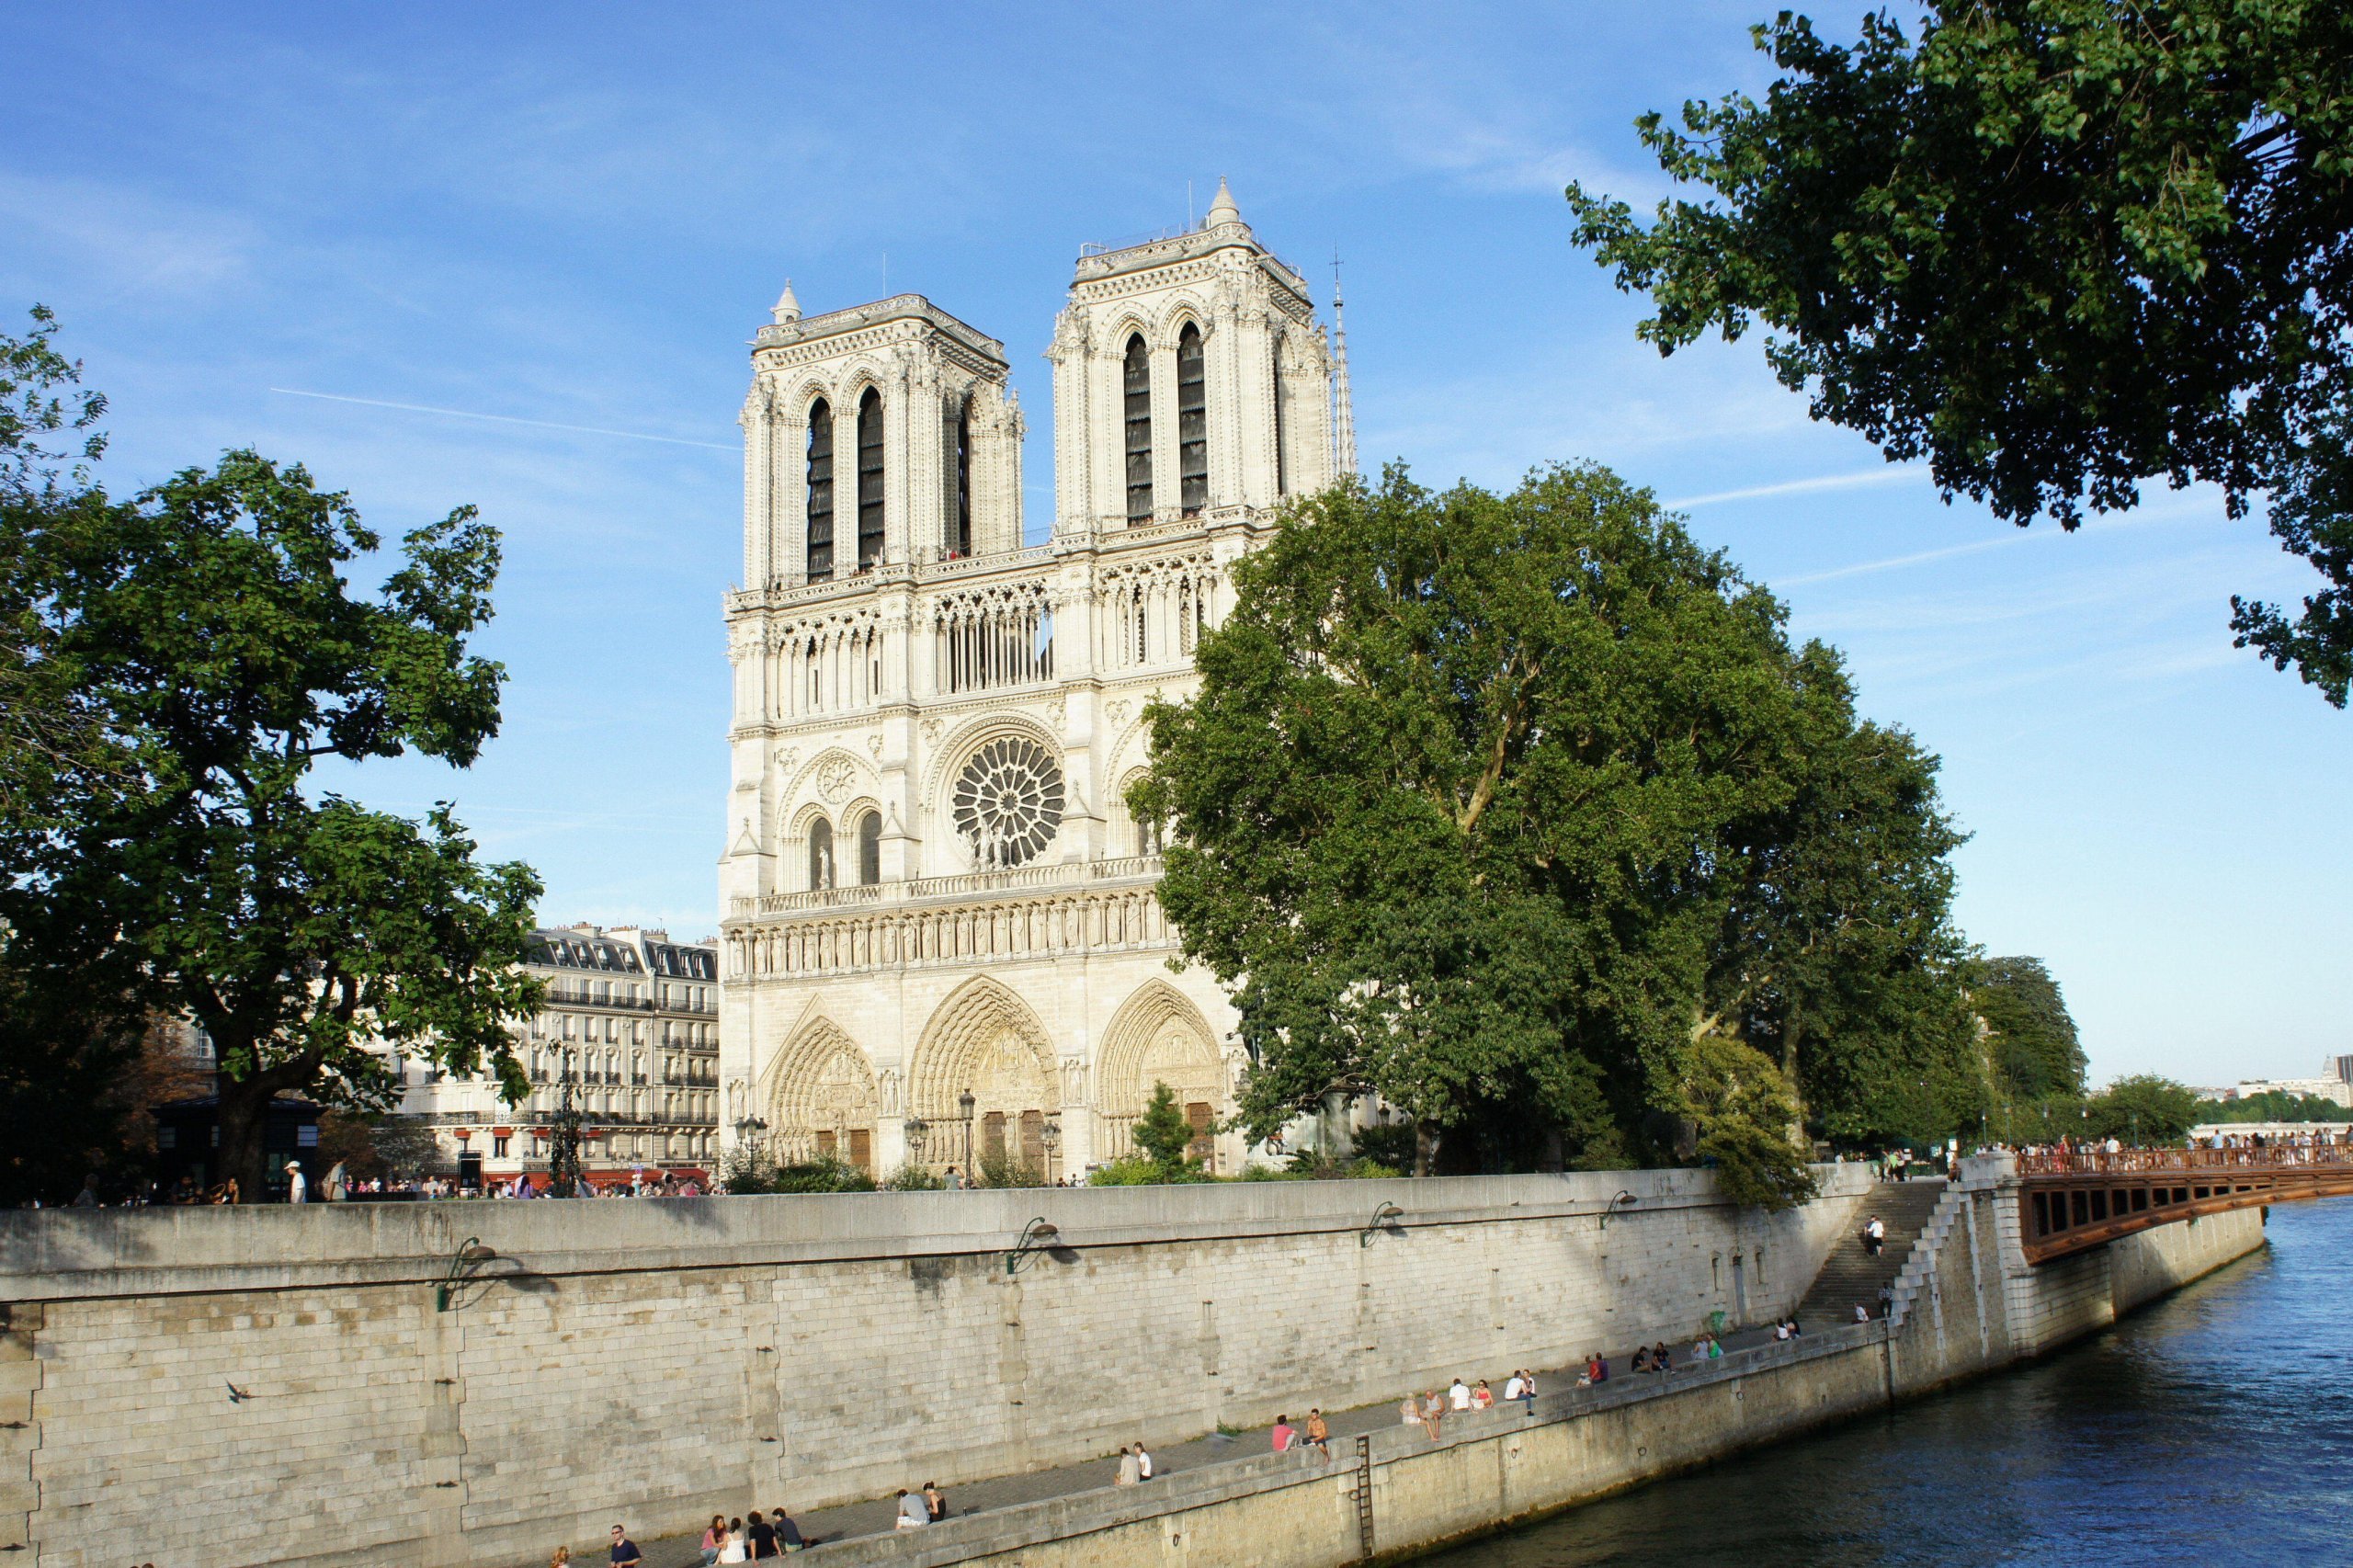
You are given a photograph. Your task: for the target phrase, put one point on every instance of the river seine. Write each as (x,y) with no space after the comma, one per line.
(2215,1426)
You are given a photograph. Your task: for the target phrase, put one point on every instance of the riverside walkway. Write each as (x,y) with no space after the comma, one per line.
(875,1516)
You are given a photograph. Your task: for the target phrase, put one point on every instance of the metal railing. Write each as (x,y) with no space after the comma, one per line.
(2271,1156)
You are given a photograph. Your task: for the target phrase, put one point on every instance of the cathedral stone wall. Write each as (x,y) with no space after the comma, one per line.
(932,888)
(277,1385)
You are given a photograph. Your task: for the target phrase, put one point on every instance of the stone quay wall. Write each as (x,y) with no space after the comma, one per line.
(277,1385)
(1968,1303)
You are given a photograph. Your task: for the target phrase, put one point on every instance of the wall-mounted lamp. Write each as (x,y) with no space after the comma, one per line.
(1624,1198)
(1387,1214)
(1036,1235)
(463,1265)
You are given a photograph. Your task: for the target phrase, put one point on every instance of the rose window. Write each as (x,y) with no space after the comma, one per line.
(1007,802)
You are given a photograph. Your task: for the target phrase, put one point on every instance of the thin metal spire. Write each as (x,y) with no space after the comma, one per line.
(1344,413)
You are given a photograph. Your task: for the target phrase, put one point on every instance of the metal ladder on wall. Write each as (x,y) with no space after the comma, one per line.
(1364,1493)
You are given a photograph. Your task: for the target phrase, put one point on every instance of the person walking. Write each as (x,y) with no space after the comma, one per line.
(297,1189)
(625,1551)
(1874,1235)
(336,1189)
(1130,1472)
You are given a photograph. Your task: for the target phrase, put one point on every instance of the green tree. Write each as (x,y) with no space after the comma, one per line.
(2030,1030)
(2058,247)
(1484,807)
(2143,1110)
(1163,1135)
(214,650)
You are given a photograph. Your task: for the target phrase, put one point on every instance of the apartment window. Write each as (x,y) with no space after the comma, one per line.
(498,1146)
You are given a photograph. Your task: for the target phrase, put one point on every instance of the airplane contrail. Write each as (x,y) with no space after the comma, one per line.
(1798,486)
(502,419)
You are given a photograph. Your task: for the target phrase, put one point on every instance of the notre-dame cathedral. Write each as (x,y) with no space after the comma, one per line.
(941,939)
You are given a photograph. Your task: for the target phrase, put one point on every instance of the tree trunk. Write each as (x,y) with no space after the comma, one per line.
(244,1117)
(1424,1146)
(244,1114)
(1790,1029)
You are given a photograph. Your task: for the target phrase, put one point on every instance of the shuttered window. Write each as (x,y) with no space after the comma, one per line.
(1136,380)
(869,479)
(1193,422)
(820,491)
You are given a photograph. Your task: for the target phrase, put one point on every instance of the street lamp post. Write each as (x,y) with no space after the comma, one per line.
(1051,1137)
(563,1144)
(918,1133)
(966,1101)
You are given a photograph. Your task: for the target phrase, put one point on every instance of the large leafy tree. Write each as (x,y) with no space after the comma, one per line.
(1477,795)
(2032,1036)
(2058,247)
(211,644)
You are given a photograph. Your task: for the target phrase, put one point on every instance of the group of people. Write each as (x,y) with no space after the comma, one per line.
(750,1539)
(917,1510)
(1430,1409)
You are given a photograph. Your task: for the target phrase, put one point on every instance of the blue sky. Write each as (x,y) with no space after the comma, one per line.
(574,217)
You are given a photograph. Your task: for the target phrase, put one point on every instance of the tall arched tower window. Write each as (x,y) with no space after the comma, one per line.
(869,850)
(960,461)
(821,855)
(1193,422)
(869,479)
(820,491)
(1282,468)
(1136,383)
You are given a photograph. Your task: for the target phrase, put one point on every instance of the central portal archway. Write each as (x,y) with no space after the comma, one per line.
(984,1042)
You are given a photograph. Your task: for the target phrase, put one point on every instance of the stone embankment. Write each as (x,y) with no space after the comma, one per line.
(349,1386)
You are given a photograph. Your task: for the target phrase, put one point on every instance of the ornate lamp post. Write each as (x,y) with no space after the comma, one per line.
(1051,1137)
(966,1101)
(918,1132)
(564,1143)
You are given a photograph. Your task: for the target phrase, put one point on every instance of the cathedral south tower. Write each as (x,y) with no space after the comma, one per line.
(941,942)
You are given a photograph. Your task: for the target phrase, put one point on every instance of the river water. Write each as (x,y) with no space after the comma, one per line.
(2215,1426)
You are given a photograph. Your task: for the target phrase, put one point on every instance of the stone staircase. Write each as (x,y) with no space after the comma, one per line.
(1851,1274)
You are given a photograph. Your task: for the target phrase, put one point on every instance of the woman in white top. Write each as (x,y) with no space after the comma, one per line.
(731,1547)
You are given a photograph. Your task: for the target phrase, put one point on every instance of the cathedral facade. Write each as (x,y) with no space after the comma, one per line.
(940,938)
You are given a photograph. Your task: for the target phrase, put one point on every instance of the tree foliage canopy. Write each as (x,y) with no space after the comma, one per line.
(2058,247)
(2028,1029)
(212,654)
(1502,807)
